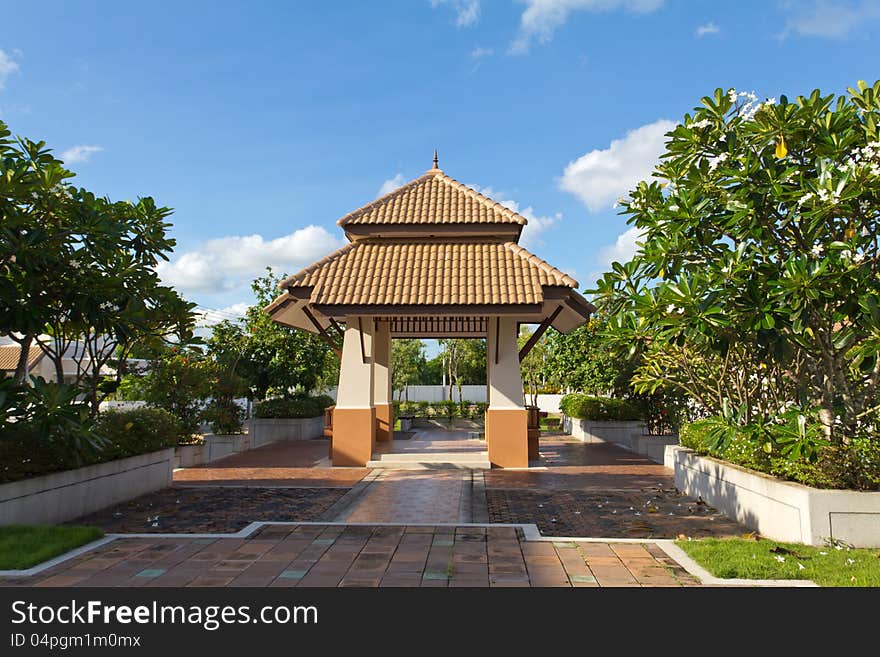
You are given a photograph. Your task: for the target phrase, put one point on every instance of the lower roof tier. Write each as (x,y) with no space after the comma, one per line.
(416,277)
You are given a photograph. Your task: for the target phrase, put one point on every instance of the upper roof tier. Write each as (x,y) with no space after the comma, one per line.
(433,205)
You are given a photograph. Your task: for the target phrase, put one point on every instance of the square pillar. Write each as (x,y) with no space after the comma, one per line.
(506,416)
(382,383)
(354,417)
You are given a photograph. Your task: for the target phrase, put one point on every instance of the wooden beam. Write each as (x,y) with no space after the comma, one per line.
(527,347)
(497,334)
(338,328)
(361,335)
(323,333)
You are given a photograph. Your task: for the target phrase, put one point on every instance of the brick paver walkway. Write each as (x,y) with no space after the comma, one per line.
(417,496)
(333,555)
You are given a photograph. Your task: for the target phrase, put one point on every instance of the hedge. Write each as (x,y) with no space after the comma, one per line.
(587,407)
(294,407)
(443,409)
(120,434)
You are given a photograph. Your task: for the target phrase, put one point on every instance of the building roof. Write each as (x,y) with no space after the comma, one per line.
(9,356)
(434,198)
(410,272)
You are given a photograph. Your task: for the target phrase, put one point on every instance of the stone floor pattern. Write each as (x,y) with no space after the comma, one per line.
(399,556)
(575,490)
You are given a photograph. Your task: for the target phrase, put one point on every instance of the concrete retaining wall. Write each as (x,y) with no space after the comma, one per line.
(269,430)
(61,496)
(628,434)
(780,510)
(262,431)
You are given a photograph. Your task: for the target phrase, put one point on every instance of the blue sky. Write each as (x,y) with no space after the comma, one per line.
(261,123)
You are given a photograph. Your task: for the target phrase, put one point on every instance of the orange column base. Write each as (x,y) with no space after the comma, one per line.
(507,437)
(384,423)
(354,436)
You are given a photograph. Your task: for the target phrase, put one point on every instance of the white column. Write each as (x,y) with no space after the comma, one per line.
(503,378)
(356,371)
(382,364)
(382,383)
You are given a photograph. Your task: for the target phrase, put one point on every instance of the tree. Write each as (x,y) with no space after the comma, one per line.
(465,360)
(178,382)
(583,360)
(78,271)
(757,280)
(407,363)
(279,359)
(533,366)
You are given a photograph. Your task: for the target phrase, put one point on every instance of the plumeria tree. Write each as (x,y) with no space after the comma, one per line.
(77,272)
(757,282)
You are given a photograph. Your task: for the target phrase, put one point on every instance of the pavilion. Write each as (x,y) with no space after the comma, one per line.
(432,259)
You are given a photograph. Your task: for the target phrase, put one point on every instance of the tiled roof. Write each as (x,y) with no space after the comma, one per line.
(9,356)
(434,198)
(406,272)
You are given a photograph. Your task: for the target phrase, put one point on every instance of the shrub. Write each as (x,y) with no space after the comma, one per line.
(225,416)
(120,434)
(586,407)
(295,407)
(854,465)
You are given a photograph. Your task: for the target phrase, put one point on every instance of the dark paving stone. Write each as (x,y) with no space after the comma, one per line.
(203,509)
(650,513)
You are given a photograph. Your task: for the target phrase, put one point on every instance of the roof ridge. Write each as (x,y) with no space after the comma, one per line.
(543,264)
(439,175)
(316,265)
(512,214)
(342,221)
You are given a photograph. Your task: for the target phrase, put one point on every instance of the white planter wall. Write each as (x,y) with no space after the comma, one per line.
(780,510)
(269,430)
(630,435)
(61,496)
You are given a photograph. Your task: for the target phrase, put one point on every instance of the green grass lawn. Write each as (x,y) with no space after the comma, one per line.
(23,546)
(763,559)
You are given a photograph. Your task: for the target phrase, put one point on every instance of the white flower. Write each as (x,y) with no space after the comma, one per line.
(718,159)
(850,561)
(817,250)
(731,95)
(806,197)
(801,566)
(858,257)
(779,558)
(674,208)
(704,123)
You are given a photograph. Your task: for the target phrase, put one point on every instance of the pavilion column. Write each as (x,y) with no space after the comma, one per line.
(354,417)
(506,417)
(382,383)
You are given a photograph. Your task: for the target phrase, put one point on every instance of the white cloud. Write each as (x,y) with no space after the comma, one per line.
(8,66)
(708,28)
(467,12)
(623,249)
(391,184)
(479,52)
(212,316)
(601,176)
(542,18)
(531,234)
(829,19)
(227,263)
(81,153)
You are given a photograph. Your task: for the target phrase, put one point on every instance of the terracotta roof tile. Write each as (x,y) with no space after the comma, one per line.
(9,357)
(434,198)
(405,272)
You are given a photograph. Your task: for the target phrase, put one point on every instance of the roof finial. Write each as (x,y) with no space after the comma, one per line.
(436,165)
